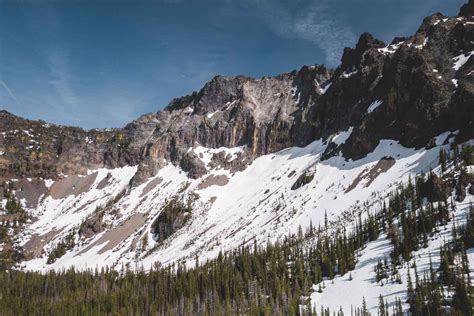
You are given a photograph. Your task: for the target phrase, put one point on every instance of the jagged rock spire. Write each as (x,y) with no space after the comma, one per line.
(352,56)
(467,10)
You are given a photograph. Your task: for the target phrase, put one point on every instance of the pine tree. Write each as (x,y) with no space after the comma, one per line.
(365,311)
(442,159)
(381,306)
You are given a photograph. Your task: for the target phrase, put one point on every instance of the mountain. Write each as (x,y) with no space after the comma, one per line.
(246,161)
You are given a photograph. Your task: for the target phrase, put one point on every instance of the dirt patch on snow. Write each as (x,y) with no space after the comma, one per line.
(383,165)
(72,185)
(34,247)
(219,180)
(31,191)
(150,186)
(118,234)
(104,182)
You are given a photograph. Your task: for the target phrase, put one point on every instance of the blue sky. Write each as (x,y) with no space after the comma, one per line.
(103,63)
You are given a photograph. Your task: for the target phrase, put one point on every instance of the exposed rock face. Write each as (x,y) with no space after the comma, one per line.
(225,161)
(92,225)
(193,166)
(230,112)
(302,180)
(410,91)
(467,10)
(416,87)
(434,189)
(37,149)
(31,191)
(421,92)
(465,180)
(174,216)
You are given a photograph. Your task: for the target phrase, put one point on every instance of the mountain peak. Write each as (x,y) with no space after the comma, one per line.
(467,10)
(353,56)
(5,113)
(367,41)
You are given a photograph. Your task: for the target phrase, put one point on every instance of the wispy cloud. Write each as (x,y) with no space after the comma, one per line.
(312,21)
(318,26)
(8,90)
(62,77)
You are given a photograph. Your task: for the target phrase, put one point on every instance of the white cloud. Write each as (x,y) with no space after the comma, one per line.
(319,27)
(313,22)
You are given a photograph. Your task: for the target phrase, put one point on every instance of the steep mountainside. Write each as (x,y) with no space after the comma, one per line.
(410,91)
(243,159)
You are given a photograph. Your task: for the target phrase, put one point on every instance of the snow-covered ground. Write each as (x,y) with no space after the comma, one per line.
(255,203)
(363,284)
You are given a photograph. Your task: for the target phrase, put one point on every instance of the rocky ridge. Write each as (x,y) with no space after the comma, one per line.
(422,84)
(276,150)
(246,161)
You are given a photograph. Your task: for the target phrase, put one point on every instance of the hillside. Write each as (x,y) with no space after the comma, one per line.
(250,162)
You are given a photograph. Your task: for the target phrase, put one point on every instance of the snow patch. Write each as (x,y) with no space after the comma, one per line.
(188,109)
(209,115)
(205,154)
(374,105)
(421,46)
(341,138)
(460,60)
(228,105)
(390,49)
(345,74)
(325,88)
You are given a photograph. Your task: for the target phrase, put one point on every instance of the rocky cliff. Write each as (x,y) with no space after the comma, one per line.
(409,90)
(246,160)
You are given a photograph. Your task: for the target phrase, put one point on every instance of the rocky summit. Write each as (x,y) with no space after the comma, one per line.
(423,84)
(246,160)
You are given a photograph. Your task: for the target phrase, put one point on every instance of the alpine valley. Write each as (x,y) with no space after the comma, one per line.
(319,191)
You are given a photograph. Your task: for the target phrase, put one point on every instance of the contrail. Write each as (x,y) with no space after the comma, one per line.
(10,93)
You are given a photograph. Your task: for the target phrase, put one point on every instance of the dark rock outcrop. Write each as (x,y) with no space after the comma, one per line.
(465,180)
(422,93)
(174,216)
(191,164)
(92,225)
(423,85)
(434,189)
(302,180)
(37,149)
(467,10)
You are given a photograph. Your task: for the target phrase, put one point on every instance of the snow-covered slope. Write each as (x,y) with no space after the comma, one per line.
(361,284)
(229,208)
(248,160)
